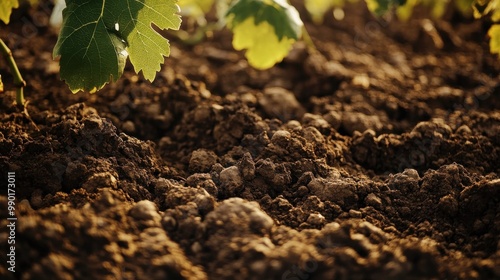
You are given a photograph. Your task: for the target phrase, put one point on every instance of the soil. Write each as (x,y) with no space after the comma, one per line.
(377,156)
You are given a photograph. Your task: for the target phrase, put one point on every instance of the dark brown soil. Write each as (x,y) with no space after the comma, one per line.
(376,157)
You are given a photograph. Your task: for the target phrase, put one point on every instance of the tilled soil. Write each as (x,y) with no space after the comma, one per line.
(374,157)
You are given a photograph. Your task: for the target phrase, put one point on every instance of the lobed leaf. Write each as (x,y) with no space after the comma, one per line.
(264,49)
(265,28)
(283,17)
(484,7)
(464,6)
(495,15)
(494,33)
(405,11)
(195,8)
(380,7)
(97,37)
(6,7)
(318,8)
(438,8)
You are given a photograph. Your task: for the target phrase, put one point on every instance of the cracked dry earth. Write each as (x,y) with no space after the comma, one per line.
(376,157)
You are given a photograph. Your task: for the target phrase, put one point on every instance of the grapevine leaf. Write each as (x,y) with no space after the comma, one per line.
(283,17)
(494,34)
(380,7)
(33,2)
(438,8)
(405,11)
(195,8)
(487,7)
(482,7)
(495,15)
(266,28)
(6,7)
(264,49)
(97,37)
(317,9)
(464,6)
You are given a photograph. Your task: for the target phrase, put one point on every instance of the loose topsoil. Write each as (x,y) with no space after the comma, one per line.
(374,157)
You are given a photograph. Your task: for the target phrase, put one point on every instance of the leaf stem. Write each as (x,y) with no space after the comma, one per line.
(307,39)
(199,34)
(18,79)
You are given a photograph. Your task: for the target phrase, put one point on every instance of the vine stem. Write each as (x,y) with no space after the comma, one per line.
(18,79)
(308,40)
(199,34)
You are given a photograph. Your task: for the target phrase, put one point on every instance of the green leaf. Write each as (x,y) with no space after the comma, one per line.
(97,37)
(495,15)
(380,7)
(283,17)
(482,7)
(317,9)
(33,2)
(464,6)
(404,12)
(6,7)
(494,34)
(264,49)
(267,29)
(438,8)
(195,8)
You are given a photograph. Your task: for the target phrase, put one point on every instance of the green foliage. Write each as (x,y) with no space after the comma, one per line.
(464,6)
(380,7)
(318,8)
(481,7)
(436,8)
(283,17)
(6,7)
(5,11)
(97,37)
(195,8)
(487,7)
(494,34)
(491,8)
(265,28)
